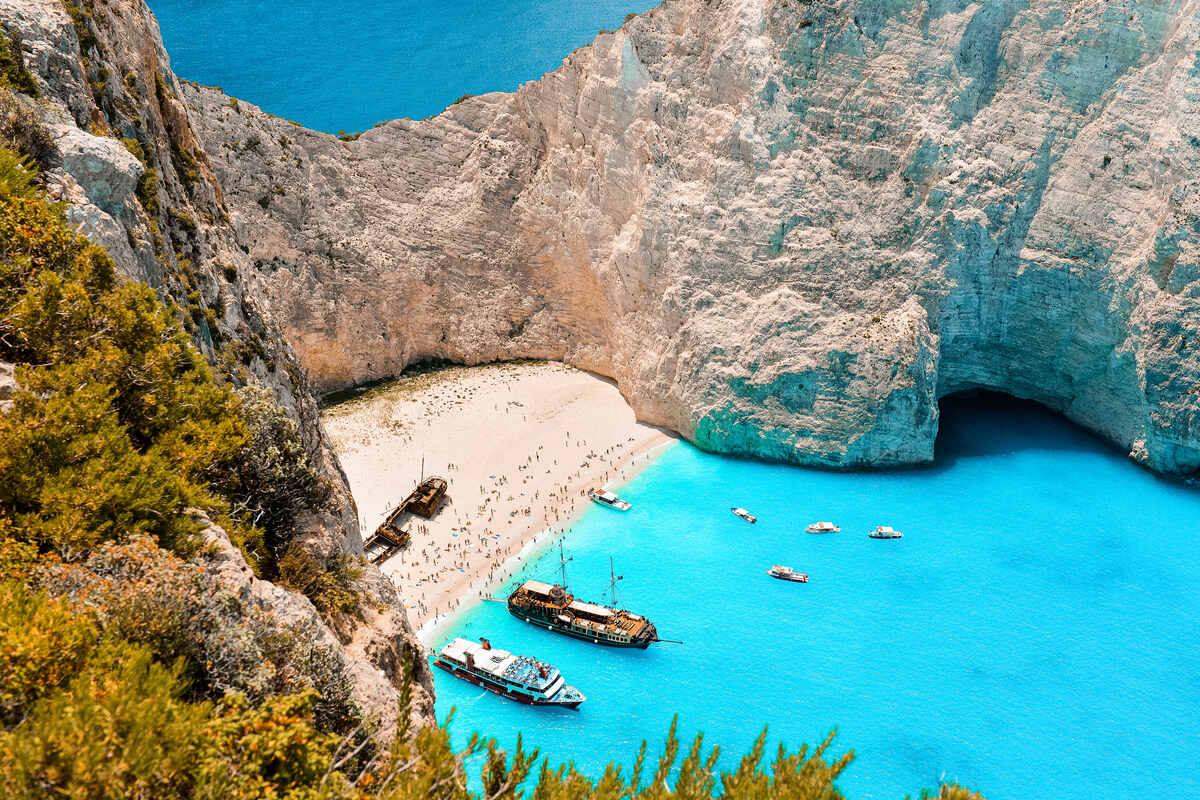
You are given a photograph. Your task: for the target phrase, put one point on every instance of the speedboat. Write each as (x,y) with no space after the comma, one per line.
(787,574)
(608,499)
(885,532)
(744,514)
(822,527)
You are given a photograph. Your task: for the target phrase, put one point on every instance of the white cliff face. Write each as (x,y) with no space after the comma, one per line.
(786,228)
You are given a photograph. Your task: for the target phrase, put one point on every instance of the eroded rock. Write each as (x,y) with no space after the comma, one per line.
(785,228)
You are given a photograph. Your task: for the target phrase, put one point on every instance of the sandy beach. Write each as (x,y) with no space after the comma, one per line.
(519,443)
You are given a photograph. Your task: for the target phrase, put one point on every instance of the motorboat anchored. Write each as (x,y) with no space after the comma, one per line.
(822,527)
(787,574)
(520,678)
(744,514)
(885,532)
(608,499)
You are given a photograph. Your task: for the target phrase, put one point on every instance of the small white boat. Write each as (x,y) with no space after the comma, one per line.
(823,527)
(608,499)
(744,514)
(787,574)
(885,532)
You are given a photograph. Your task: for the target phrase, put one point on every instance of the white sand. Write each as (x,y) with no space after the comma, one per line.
(519,444)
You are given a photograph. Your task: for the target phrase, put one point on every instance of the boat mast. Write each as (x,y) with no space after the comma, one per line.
(562,562)
(612,579)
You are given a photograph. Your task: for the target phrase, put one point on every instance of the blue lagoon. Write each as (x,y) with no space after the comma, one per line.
(1033,634)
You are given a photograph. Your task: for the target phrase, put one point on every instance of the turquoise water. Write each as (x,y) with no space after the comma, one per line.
(337,65)
(1033,635)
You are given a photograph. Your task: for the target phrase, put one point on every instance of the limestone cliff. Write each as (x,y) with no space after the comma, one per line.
(135,179)
(786,228)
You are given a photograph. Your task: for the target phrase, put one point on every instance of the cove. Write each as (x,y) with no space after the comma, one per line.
(334,65)
(1033,635)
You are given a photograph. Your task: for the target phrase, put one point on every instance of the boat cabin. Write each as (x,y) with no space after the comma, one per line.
(427,498)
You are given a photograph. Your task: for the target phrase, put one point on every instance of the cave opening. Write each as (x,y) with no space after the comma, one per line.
(983,422)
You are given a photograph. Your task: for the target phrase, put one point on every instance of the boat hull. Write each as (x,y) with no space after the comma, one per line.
(797,578)
(618,506)
(554,626)
(503,691)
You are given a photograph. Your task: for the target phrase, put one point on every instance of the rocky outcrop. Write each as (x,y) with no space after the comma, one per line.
(785,227)
(135,179)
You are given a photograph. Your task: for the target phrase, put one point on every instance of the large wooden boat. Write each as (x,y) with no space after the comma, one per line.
(389,537)
(393,534)
(520,678)
(553,608)
(427,498)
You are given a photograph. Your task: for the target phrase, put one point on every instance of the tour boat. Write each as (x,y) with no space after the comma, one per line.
(885,532)
(744,514)
(519,678)
(608,499)
(822,527)
(787,574)
(553,608)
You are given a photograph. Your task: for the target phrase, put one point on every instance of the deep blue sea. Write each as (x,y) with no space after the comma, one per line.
(1034,634)
(345,65)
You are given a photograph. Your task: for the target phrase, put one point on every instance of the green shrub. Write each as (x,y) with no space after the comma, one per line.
(23,131)
(269,478)
(119,421)
(17,174)
(329,586)
(143,594)
(42,645)
(147,192)
(119,730)
(12,65)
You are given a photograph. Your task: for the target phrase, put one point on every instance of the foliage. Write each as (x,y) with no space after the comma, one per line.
(22,130)
(119,729)
(329,586)
(16,175)
(273,750)
(42,644)
(119,419)
(143,594)
(12,65)
(269,477)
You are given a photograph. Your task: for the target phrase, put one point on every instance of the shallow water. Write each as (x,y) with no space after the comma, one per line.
(1033,635)
(336,65)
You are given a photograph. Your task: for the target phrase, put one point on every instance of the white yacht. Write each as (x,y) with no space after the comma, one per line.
(823,527)
(885,532)
(608,499)
(787,574)
(744,514)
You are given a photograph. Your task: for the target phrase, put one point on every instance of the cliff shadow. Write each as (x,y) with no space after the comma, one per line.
(979,422)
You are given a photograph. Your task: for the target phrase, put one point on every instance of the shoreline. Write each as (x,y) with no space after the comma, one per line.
(533,544)
(519,444)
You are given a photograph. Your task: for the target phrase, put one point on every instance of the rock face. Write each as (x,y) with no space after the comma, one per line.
(785,227)
(136,180)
